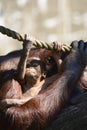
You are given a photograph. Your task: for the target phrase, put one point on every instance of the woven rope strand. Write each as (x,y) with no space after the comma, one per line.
(37,43)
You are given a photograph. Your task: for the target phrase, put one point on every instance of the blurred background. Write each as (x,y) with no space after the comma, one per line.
(47,20)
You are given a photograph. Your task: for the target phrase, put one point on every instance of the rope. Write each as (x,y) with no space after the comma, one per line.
(36,43)
(11,33)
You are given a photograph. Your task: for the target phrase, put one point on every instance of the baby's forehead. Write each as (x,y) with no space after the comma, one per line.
(34,58)
(39,54)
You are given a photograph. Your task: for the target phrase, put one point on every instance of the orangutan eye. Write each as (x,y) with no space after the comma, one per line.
(35,64)
(49,60)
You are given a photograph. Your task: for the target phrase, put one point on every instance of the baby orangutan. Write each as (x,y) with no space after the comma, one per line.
(37,68)
(39,112)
